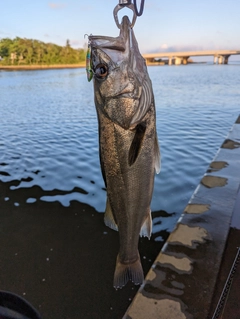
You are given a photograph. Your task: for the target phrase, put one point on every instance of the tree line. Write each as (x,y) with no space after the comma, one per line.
(22,51)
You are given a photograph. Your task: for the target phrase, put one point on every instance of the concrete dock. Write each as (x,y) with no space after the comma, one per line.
(188,276)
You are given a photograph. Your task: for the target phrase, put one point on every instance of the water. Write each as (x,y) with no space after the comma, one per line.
(49,134)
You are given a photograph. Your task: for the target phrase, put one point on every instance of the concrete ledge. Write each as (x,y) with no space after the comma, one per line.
(181,282)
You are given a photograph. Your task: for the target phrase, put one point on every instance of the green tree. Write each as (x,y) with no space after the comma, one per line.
(30,51)
(5,45)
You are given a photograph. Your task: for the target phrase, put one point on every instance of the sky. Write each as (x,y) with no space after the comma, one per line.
(164,26)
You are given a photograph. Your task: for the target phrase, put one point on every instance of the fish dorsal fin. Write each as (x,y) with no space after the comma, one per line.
(108,217)
(157,156)
(146,229)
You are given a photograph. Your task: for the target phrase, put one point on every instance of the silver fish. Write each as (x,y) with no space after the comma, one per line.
(128,144)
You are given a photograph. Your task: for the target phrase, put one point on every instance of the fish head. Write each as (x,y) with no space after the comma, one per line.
(119,73)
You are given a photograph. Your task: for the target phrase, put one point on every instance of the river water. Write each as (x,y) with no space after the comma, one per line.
(55,250)
(49,134)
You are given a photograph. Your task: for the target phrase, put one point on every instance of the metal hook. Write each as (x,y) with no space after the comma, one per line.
(125,2)
(140,12)
(121,5)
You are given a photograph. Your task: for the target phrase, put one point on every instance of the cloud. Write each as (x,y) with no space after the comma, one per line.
(164,46)
(176,48)
(53,5)
(179,48)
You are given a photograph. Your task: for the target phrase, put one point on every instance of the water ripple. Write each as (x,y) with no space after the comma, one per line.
(49,134)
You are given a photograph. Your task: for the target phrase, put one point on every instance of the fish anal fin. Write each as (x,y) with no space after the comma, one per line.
(146,229)
(108,217)
(136,143)
(128,272)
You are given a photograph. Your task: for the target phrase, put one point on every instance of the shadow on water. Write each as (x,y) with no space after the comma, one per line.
(62,259)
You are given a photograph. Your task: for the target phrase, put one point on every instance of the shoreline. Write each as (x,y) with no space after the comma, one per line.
(69,66)
(42,67)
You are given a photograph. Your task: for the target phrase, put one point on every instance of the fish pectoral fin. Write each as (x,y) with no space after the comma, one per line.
(157,156)
(146,229)
(127,272)
(108,217)
(136,143)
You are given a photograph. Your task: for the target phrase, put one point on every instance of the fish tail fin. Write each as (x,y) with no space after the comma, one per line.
(128,272)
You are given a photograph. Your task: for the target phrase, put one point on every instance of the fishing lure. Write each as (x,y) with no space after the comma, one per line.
(89,64)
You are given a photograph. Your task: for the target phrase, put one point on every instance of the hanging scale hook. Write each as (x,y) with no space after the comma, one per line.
(133,7)
(121,5)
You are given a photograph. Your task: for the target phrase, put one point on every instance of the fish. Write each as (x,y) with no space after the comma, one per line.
(128,143)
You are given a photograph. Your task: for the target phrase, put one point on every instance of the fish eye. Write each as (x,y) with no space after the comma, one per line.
(101,71)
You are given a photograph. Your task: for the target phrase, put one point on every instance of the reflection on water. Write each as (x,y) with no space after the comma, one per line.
(49,134)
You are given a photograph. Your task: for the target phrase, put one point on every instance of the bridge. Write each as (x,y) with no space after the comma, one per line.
(219,56)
